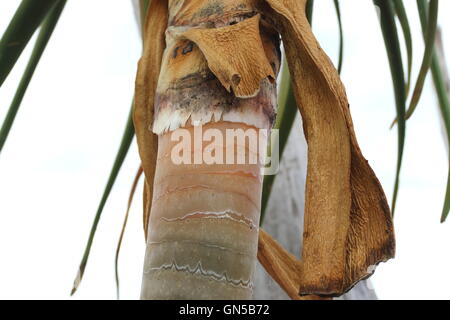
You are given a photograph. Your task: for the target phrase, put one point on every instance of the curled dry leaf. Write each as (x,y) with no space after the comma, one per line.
(146,80)
(348,226)
(282,266)
(238,67)
(219,65)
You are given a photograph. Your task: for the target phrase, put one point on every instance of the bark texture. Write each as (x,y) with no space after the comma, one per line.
(203,228)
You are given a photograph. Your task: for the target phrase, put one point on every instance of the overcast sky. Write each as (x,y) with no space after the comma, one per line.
(56,161)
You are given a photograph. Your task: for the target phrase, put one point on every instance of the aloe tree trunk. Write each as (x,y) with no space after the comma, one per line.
(218,72)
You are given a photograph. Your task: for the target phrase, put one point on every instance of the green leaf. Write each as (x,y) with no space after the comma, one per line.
(287,111)
(394,54)
(309,10)
(443,97)
(341,35)
(404,22)
(45,33)
(127,138)
(124,226)
(26,20)
(144,4)
(430,36)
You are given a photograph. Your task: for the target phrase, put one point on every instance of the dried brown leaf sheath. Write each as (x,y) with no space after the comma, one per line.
(146,82)
(348,225)
(238,70)
(282,266)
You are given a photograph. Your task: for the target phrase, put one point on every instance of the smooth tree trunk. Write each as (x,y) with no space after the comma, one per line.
(217,80)
(203,234)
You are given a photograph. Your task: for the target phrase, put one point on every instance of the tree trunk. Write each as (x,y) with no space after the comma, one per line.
(217,75)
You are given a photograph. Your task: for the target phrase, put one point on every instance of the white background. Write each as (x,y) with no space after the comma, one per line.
(56,161)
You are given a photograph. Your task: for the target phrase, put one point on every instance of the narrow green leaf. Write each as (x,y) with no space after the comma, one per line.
(341,36)
(144,4)
(287,111)
(430,36)
(26,20)
(404,22)
(392,44)
(124,226)
(441,91)
(120,157)
(45,33)
(309,10)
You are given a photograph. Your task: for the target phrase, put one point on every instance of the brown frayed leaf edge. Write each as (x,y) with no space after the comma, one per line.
(146,81)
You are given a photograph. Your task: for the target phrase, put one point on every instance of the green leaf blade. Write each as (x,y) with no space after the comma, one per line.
(430,36)
(392,43)
(442,95)
(341,35)
(47,28)
(287,111)
(26,20)
(309,10)
(125,144)
(404,22)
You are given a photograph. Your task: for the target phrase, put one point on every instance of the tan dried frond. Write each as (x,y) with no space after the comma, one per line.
(235,55)
(146,82)
(282,266)
(348,226)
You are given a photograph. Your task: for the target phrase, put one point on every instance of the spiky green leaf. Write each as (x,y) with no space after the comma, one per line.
(127,138)
(404,22)
(341,35)
(443,96)
(45,33)
(28,17)
(287,111)
(430,36)
(391,40)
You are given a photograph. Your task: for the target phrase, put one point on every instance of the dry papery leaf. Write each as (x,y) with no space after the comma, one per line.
(348,226)
(237,69)
(146,81)
(282,266)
